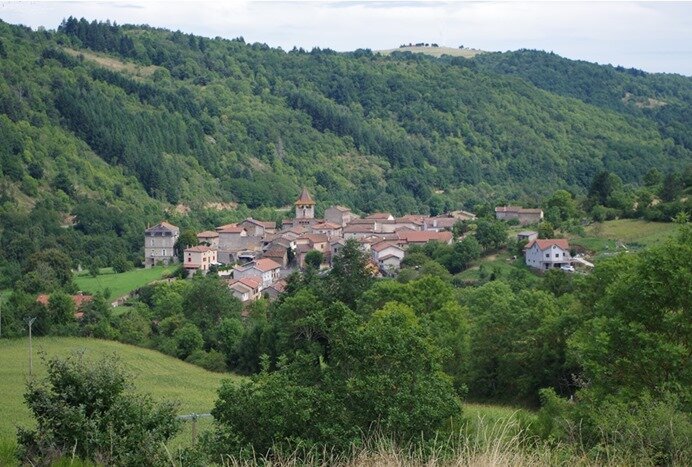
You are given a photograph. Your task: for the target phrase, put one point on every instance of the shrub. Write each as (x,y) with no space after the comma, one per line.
(87,408)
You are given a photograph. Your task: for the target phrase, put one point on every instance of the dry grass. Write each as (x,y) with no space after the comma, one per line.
(113,63)
(436,51)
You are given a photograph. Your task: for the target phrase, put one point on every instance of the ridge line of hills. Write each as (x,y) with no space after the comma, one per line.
(119,124)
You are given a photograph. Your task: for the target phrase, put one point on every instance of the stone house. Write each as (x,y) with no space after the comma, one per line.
(159,244)
(257,228)
(327,228)
(439,223)
(525,216)
(548,253)
(273,291)
(277,253)
(199,258)
(338,215)
(209,238)
(408,237)
(527,236)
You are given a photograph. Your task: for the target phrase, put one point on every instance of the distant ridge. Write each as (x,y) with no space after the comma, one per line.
(436,51)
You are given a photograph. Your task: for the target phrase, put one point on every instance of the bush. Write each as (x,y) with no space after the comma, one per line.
(212,360)
(87,409)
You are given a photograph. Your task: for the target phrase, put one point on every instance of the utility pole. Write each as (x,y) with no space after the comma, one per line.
(30,322)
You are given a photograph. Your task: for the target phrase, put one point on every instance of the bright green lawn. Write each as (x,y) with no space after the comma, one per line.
(604,237)
(161,376)
(123,283)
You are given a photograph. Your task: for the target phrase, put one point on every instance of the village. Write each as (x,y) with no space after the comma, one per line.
(255,257)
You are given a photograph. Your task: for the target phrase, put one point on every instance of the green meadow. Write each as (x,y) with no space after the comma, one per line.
(122,283)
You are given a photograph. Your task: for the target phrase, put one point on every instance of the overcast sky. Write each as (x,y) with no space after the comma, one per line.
(653,36)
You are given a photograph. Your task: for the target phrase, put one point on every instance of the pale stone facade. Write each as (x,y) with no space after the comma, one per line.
(159,244)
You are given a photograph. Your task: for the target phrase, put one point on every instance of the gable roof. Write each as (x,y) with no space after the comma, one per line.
(547,243)
(249,282)
(417,236)
(207,234)
(384,245)
(162,226)
(198,249)
(266,264)
(326,225)
(379,215)
(265,224)
(518,209)
(305,198)
(315,238)
(230,228)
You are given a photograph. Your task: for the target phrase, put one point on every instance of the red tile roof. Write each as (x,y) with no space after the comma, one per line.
(252,282)
(207,234)
(230,228)
(265,224)
(266,264)
(79,299)
(544,244)
(384,245)
(325,225)
(198,249)
(379,215)
(415,236)
(305,198)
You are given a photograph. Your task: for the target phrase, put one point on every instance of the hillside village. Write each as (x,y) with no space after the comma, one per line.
(255,257)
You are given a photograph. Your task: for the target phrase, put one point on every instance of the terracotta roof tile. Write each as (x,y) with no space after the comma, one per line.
(305,198)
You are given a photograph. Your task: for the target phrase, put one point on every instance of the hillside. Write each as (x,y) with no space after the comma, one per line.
(435,51)
(162,376)
(106,128)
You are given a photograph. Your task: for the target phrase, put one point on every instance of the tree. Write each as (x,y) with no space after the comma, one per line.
(187,239)
(61,308)
(88,409)
(560,207)
(350,275)
(545,230)
(187,339)
(491,234)
(314,259)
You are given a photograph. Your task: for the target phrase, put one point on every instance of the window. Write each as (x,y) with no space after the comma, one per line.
(547,255)
(557,255)
(189,259)
(163,252)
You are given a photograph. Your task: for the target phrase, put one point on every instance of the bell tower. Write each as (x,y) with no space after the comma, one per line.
(305,206)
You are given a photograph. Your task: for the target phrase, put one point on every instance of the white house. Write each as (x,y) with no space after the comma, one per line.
(267,270)
(548,253)
(245,289)
(387,255)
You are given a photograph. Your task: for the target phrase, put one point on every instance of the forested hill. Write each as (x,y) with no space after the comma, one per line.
(165,117)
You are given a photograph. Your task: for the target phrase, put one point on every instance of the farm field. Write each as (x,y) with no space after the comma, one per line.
(161,376)
(120,284)
(611,236)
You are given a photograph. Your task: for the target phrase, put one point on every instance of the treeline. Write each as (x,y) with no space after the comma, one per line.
(343,356)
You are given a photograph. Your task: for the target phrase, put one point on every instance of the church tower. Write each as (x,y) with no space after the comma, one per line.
(305,206)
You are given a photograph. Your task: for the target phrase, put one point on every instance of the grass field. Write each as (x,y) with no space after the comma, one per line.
(120,284)
(161,376)
(435,51)
(602,238)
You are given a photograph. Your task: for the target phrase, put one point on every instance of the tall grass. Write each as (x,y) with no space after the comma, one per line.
(480,443)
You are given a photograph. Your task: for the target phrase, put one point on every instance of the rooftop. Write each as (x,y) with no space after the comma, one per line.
(547,243)
(305,198)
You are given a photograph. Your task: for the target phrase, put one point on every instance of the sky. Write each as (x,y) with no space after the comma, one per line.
(653,36)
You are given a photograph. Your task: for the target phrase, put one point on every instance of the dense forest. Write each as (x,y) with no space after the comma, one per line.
(105,128)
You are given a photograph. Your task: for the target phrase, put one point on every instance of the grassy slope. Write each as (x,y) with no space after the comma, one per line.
(161,376)
(604,237)
(435,51)
(123,283)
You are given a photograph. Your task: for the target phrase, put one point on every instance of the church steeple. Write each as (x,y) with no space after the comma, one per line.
(305,206)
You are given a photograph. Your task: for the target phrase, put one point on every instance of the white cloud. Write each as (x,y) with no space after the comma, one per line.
(651,36)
